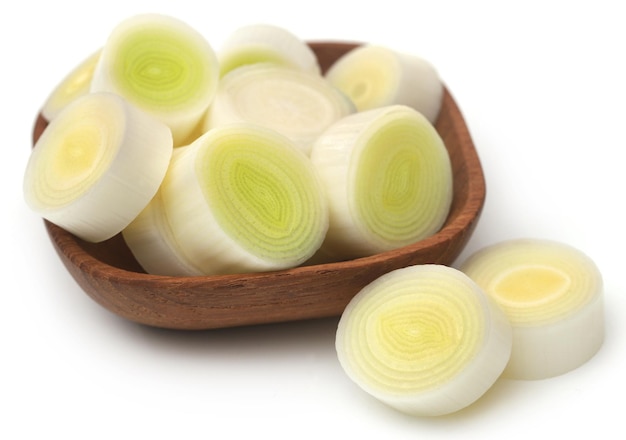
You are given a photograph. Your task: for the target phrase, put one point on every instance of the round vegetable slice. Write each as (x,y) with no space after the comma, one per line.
(163,66)
(97,165)
(388,178)
(552,294)
(425,340)
(264,43)
(242,198)
(294,103)
(375,76)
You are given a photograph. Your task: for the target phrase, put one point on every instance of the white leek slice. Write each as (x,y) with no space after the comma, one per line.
(292,102)
(374,76)
(242,198)
(425,340)
(388,178)
(96,166)
(552,295)
(163,66)
(77,83)
(263,43)
(150,239)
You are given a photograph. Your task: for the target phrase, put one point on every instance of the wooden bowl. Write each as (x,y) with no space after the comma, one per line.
(110,275)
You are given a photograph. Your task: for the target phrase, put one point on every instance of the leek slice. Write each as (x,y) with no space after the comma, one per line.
(294,103)
(552,295)
(77,83)
(425,340)
(261,43)
(388,178)
(242,198)
(374,76)
(150,239)
(163,66)
(96,166)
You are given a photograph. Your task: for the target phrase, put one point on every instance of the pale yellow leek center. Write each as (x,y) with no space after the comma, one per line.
(532,284)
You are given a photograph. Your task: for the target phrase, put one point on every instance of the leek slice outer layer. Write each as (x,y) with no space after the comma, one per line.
(388,178)
(96,166)
(294,103)
(163,66)
(264,43)
(425,340)
(375,76)
(242,198)
(552,294)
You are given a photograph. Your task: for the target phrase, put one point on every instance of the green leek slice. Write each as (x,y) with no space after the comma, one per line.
(164,67)
(264,43)
(242,198)
(388,178)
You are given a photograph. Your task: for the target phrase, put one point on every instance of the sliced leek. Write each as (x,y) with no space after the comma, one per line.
(552,295)
(77,83)
(374,76)
(150,239)
(96,166)
(425,340)
(242,198)
(164,67)
(388,179)
(297,104)
(262,43)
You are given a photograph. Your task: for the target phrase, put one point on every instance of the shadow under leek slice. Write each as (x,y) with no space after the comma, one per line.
(425,340)
(552,295)
(242,199)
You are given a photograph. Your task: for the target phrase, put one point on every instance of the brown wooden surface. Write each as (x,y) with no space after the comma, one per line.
(111,276)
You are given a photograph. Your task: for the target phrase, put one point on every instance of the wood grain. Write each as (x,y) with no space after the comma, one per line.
(110,275)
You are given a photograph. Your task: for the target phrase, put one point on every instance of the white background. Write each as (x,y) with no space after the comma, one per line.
(542,87)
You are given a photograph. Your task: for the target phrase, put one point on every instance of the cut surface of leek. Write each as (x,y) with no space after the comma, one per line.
(96,166)
(425,340)
(388,179)
(242,198)
(77,83)
(264,43)
(375,76)
(552,295)
(294,103)
(163,66)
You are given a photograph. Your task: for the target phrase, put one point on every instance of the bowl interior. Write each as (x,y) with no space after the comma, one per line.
(109,273)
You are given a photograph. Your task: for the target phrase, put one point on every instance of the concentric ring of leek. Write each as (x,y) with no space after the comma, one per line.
(552,295)
(294,103)
(97,165)
(423,339)
(402,185)
(163,66)
(252,203)
(388,178)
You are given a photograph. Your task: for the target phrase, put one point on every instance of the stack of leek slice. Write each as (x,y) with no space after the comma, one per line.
(246,159)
